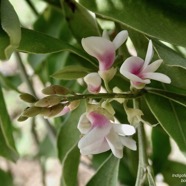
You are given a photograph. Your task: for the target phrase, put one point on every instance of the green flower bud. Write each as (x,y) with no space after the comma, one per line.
(55,89)
(107,75)
(22,118)
(31,111)
(52,111)
(28,98)
(48,101)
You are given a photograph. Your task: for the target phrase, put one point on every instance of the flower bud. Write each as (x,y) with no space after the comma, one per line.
(93,82)
(107,75)
(106,105)
(55,89)
(48,101)
(74,104)
(28,98)
(22,118)
(52,111)
(134,116)
(31,111)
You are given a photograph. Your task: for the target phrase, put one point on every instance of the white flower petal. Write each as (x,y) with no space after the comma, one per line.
(93,82)
(100,48)
(153,66)
(149,54)
(84,124)
(94,135)
(158,77)
(124,129)
(128,142)
(115,144)
(135,78)
(120,39)
(96,147)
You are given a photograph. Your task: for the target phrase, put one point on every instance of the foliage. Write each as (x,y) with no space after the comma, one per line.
(57,57)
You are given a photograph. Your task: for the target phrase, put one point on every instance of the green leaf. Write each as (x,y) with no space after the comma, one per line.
(169,56)
(171,116)
(10,24)
(70,167)
(178,98)
(71,72)
(39,43)
(6,151)
(6,178)
(69,134)
(107,174)
(6,124)
(160,138)
(172,172)
(76,14)
(145,17)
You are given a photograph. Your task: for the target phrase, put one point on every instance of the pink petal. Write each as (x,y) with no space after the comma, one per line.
(120,39)
(135,78)
(100,48)
(132,65)
(149,54)
(93,82)
(153,66)
(158,77)
(97,147)
(124,129)
(128,142)
(98,120)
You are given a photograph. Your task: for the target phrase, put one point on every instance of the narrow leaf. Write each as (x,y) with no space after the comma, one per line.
(178,98)
(69,134)
(76,14)
(6,151)
(107,174)
(10,24)
(5,123)
(70,167)
(145,17)
(171,116)
(71,72)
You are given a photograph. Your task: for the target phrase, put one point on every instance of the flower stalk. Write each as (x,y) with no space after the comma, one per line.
(127,95)
(144,169)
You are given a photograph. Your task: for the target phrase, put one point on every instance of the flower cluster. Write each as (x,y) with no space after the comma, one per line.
(101,135)
(137,70)
(104,51)
(99,131)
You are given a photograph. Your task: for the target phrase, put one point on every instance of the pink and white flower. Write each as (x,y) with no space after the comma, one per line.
(103,49)
(101,135)
(93,82)
(140,72)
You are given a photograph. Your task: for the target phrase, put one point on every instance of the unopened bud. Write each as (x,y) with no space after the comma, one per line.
(55,89)
(28,98)
(74,104)
(48,101)
(106,105)
(31,111)
(52,111)
(107,75)
(22,118)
